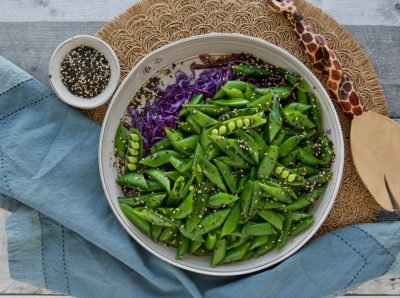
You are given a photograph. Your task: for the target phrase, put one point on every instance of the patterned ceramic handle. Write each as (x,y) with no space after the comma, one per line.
(323,59)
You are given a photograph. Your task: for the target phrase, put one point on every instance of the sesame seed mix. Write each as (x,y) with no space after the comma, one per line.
(85,72)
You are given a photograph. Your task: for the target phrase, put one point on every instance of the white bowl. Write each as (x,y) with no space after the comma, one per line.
(55,70)
(187,50)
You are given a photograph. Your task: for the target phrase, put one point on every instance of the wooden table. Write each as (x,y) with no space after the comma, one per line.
(30,31)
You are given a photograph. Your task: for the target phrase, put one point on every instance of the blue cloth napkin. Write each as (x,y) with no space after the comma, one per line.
(63,236)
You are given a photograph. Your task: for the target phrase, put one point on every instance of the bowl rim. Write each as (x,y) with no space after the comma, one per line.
(67,96)
(300,244)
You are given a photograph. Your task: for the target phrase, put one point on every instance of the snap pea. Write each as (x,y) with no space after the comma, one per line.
(133,180)
(159,158)
(184,209)
(218,252)
(302,97)
(153,186)
(168,233)
(120,140)
(150,200)
(212,174)
(252,71)
(289,145)
(194,219)
(271,217)
(245,198)
(237,162)
(308,158)
(306,171)
(186,145)
(262,250)
(135,150)
(140,223)
(237,253)
(160,178)
(183,246)
(241,85)
(319,179)
(241,122)
(283,237)
(182,165)
(249,93)
(259,139)
(327,152)
(259,241)
(194,246)
(299,204)
(185,126)
(232,102)
(302,85)
(205,140)
(208,109)
(172,134)
(256,200)
(231,221)
(233,92)
(248,144)
(262,103)
(279,138)
(213,153)
(153,217)
(173,175)
(315,112)
(187,188)
(287,175)
(221,199)
(227,175)
(196,168)
(268,162)
(301,226)
(275,191)
(211,241)
(260,229)
(296,107)
(211,222)
(155,232)
(195,126)
(202,119)
(196,99)
(173,198)
(292,78)
(237,113)
(290,159)
(275,119)
(282,92)
(297,216)
(298,120)
(161,145)
(271,205)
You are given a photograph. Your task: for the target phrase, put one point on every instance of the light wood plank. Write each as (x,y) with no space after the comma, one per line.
(356,12)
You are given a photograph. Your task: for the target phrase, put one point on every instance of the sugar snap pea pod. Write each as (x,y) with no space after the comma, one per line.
(271,217)
(301,226)
(260,229)
(133,180)
(252,71)
(232,102)
(202,119)
(291,77)
(212,174)
(275,191)
(160,178)
(208,109)
(236,113)
(219,252)
(245,198)
(187,188)
(297,216)
(153,217)
(231,221)
(287,175)
(120,140)
(151,200)
(135,150)
(168,233)
(214,153)
(153,186)
(290,159)
(226,145)
(195,126)
(172,134)
(194,246)
(262,250)
(160,158)
(160,145)
(308,158)
(268,205)
(233,92)
(182,165)
(221,199)
(183,246)
(241,85)
(289,145)
(296,106)
(155,232)
(202,252)
(173,175)
(249,144)
(212,221)
(326,154)
(205,140)
(219,94)
(260,141)
(211,241)
(302,85)
(185,126)
(279,138)
(242,122)
(186,145)
(194,219)
(262,103)
(259,241)
(275,119)
(315,112)
(268,162)
(192,235)
(298,120)
(256,200)
(282,92)
(237,162)
(319,180)
(196,99)
(283,237)
(173,198)
(184,209)
(306,171)
(143,225)
(237,253)
(227,175)
(196,168)
(302,97)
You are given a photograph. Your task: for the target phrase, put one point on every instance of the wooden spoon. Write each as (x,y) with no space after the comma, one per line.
(374,139)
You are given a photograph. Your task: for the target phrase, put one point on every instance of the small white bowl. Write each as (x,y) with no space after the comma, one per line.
(55,71)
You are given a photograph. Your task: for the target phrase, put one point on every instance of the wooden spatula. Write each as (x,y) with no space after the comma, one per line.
(374,139)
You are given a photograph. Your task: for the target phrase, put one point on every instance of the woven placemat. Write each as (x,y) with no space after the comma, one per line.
(154,23)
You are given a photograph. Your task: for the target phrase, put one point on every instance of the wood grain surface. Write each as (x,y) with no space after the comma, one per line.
(31,29)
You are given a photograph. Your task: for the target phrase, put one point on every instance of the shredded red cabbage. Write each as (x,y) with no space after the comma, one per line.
(165,112)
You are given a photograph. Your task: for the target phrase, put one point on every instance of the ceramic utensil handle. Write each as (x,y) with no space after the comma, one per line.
(323,59)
